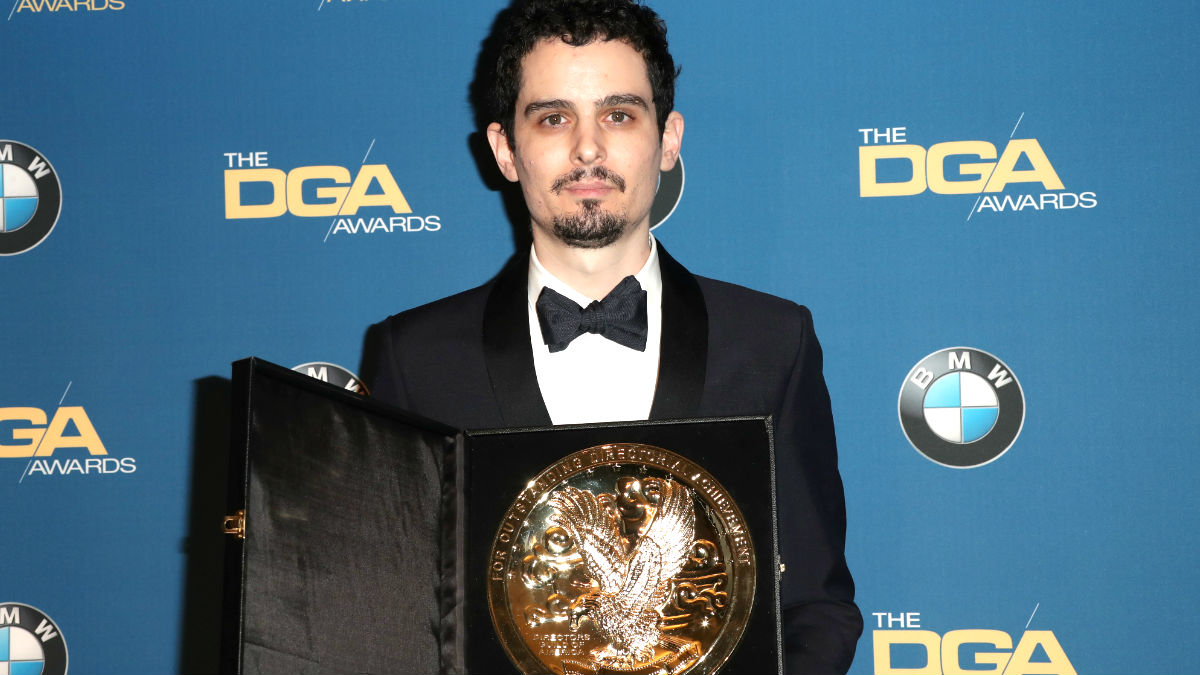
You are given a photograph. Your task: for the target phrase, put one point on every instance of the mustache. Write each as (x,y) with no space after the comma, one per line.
(596,172)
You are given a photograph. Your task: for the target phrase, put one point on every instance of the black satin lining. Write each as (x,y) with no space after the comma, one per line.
(454,587)
(342,564)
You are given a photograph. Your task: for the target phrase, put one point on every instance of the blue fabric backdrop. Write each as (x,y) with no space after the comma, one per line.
(121,322)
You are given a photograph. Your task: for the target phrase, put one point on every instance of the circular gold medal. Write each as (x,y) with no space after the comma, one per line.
(621,558)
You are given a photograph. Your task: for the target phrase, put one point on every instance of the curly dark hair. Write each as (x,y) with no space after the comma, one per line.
(578,23)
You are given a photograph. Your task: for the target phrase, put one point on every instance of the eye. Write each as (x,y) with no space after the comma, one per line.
(619,116)
(554,120)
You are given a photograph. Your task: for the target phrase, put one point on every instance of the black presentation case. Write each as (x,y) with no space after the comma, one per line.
(367,529)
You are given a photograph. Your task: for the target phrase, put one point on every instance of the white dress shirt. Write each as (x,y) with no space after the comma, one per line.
(595,379)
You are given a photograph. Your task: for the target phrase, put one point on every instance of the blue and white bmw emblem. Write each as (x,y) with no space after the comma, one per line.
(961,407)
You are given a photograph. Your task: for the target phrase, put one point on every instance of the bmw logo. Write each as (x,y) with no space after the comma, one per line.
(333,374)
(30,198)
(30,642)
(961,407)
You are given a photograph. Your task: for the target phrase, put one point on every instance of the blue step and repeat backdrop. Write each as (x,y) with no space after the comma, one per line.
(989,207)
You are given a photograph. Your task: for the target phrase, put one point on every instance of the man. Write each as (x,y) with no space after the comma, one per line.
(584,122)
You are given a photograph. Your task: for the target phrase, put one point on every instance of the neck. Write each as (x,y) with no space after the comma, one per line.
(594,271)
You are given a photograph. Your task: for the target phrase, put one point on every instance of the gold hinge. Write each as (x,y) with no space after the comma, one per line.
(235,524)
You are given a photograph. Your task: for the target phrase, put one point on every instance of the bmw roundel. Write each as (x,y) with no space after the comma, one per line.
(30,198)
(961,407)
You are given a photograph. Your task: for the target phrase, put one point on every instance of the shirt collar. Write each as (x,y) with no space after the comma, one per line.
(650,277)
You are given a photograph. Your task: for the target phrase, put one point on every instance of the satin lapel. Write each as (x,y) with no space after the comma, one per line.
(684,353)
(507,351)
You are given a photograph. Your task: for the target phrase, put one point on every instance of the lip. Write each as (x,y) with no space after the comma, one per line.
(591,189)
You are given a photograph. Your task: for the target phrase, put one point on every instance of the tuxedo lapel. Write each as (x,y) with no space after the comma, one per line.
(507,349)
(684,347)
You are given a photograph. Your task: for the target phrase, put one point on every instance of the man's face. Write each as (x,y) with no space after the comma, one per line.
(585,144)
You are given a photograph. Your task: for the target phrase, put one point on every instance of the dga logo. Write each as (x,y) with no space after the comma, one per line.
(333,374)
(365,201)
(961,407)
(30,642)
(30,433)
(670,192)
(38,6)
(902,647)
(889,166)
(30,198)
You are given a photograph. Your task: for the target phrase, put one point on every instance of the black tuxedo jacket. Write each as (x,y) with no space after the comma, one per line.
(726,350)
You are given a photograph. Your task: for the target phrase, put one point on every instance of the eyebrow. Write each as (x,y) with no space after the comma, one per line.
(614,100)
(607,102)
(551,104)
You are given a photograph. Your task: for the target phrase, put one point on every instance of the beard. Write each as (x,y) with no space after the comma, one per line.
(590,227)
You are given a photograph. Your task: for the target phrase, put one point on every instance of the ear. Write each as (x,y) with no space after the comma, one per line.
(502,150)
(672,139)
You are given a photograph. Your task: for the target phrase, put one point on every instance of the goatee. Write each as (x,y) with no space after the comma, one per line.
(591,227)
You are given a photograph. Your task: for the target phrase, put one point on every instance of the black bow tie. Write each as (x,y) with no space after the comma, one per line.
(620,317)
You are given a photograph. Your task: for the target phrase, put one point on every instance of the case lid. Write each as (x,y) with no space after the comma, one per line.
(339,570)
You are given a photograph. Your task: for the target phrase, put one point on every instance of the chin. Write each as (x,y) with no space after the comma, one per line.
(591,227)
(591,243)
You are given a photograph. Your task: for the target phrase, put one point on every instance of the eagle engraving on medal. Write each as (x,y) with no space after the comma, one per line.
(622,558)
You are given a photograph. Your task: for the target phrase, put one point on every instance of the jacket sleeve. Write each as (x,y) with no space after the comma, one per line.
(380,368)
(821,622)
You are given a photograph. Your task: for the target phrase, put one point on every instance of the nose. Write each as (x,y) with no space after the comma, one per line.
(588,148)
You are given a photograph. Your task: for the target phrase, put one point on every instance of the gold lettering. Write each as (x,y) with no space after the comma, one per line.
(1021,663)
(233,193)
(55,438)
(1006,172)
(884,639)
(32,435)
(868,183)
(390,195)
(956,638)
(337,192)
(938,153)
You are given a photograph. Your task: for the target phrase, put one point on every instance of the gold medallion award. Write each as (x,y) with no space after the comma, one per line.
(621,558)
